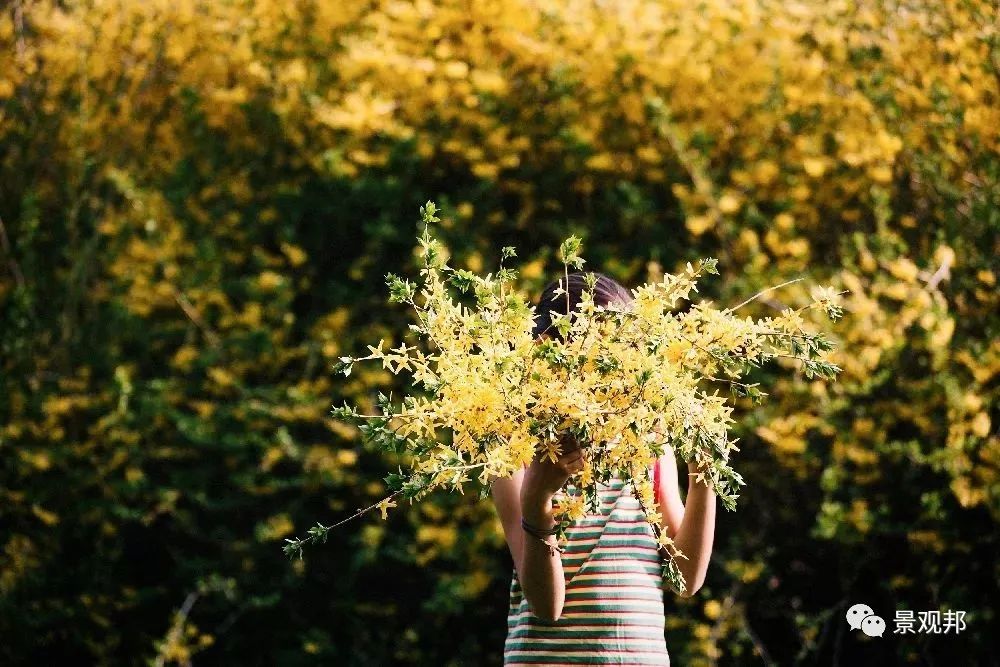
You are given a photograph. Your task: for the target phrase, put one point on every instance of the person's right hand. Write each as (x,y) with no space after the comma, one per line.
(543,477)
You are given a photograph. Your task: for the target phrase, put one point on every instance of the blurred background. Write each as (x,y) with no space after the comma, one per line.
(199,201)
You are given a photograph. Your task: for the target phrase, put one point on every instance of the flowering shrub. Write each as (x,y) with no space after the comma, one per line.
(195,195)
(611,377)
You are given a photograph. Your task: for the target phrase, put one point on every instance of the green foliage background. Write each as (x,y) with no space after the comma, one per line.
(200,200)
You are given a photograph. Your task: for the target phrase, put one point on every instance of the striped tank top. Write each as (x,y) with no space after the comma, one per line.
(613,613)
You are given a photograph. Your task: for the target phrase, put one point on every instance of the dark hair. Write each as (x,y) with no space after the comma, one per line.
(607,291)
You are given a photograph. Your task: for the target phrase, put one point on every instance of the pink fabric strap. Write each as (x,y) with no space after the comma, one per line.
(656,480)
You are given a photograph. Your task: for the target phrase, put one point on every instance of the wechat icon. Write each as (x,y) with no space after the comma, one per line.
(862,617)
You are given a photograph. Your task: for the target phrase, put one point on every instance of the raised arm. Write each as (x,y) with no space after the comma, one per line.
(669,498)
(691,524)
(528,493)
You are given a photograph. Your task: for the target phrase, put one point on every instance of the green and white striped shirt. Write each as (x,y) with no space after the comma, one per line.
(613,613)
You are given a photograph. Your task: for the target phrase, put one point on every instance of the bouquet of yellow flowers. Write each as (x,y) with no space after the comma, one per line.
(624,382)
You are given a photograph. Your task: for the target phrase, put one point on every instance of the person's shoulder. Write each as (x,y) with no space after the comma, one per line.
(517,474)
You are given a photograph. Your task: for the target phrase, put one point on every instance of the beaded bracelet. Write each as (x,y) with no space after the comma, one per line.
(534,529)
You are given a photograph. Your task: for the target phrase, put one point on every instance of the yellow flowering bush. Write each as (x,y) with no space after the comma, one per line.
(492,394)
(187,232)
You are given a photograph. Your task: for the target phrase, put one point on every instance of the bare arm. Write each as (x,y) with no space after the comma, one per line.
(696,533)
(669,498)
(528,493)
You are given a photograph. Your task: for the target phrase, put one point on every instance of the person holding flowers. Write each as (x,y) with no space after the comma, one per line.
(599,598)
(574,415)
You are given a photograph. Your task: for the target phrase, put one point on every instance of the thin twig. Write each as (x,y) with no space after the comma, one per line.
(939,275)
(762,292)
(178,626)
(727,606)
(19,29)
(366,509)
(195,317)
(756,641)
(230,620)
